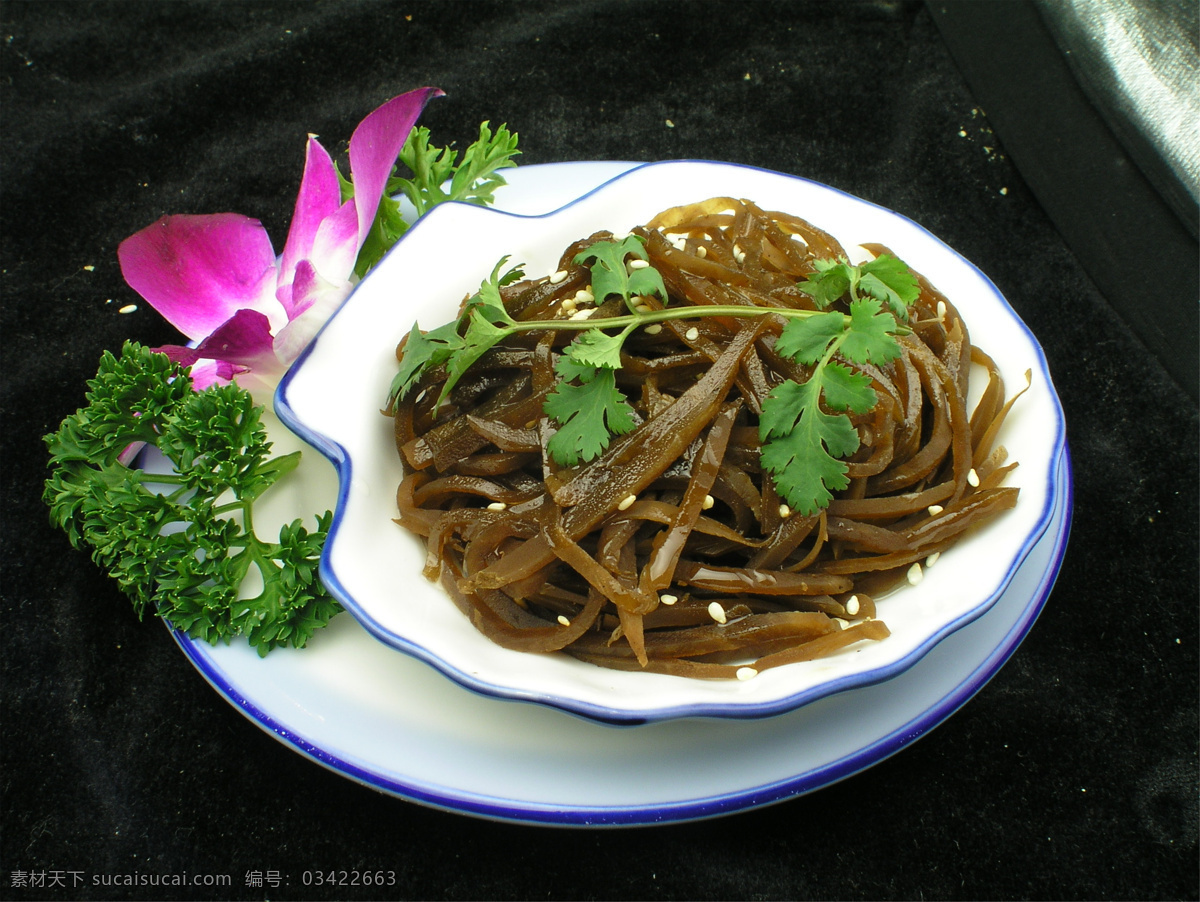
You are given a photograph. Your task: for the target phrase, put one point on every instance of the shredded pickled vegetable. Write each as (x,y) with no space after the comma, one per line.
(672,550)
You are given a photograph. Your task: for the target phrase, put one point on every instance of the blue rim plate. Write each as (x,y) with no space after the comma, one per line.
(389,722)
(331,398)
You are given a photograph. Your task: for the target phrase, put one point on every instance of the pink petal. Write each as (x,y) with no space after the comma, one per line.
(320,196)
(318,299)
(244,339)
(374,147)
(334,249)
(197,271)
(213,372)
(203,372)
(242,344)
(306,288)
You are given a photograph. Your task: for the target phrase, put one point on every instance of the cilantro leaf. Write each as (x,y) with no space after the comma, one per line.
(888,279)
(805,340)
(609,275)
(181,543)
(487,300)
(831,280)
(477,177)
(588,414)
(485,316)
(481,336)
(801,443)
(421,352)
(845,389)
(596,349)
(869,333)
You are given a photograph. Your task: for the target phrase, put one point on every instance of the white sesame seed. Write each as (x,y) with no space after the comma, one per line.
(679,242)
(128,308)
(738,254)
(563,620)
(638,264)
(784,511)
(668,599)
(932,559)
(941,311)
(559,276)
(642,308)
(692,334)
(497,506)
(702,252)
(746,673)
(915,574)
(709,501)
(840,623)
(935,509)
(584,296)
(716,612)
(626,502)
(852,605)
(585,313)
(569,303)
(653,329)
(973,479)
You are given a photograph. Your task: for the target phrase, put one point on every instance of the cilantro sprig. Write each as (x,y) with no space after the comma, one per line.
(483,322)
(436,176)
(885,278)
(805,427)
(801,441)
(610,275)
(181,544)
(589,410)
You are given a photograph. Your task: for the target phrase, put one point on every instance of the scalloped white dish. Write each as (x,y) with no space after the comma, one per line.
(332,399)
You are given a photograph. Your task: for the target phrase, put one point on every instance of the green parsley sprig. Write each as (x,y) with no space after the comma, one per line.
(436,176)
(182,543)
(805,428)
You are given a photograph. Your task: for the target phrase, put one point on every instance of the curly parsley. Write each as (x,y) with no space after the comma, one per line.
(181,544)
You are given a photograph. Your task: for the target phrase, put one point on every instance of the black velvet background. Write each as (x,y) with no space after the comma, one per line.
(1073,774)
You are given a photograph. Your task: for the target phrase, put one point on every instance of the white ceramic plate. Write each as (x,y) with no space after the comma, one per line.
(332,398)
(390,722)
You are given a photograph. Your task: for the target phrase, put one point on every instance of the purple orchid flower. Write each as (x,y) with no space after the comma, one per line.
(217,279)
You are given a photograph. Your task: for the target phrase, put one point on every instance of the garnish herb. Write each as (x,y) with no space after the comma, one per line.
(473,181)
(485,320)
(610,275)
(801,442)
(181,543)
(885,278)
(805,428)
(588,408)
